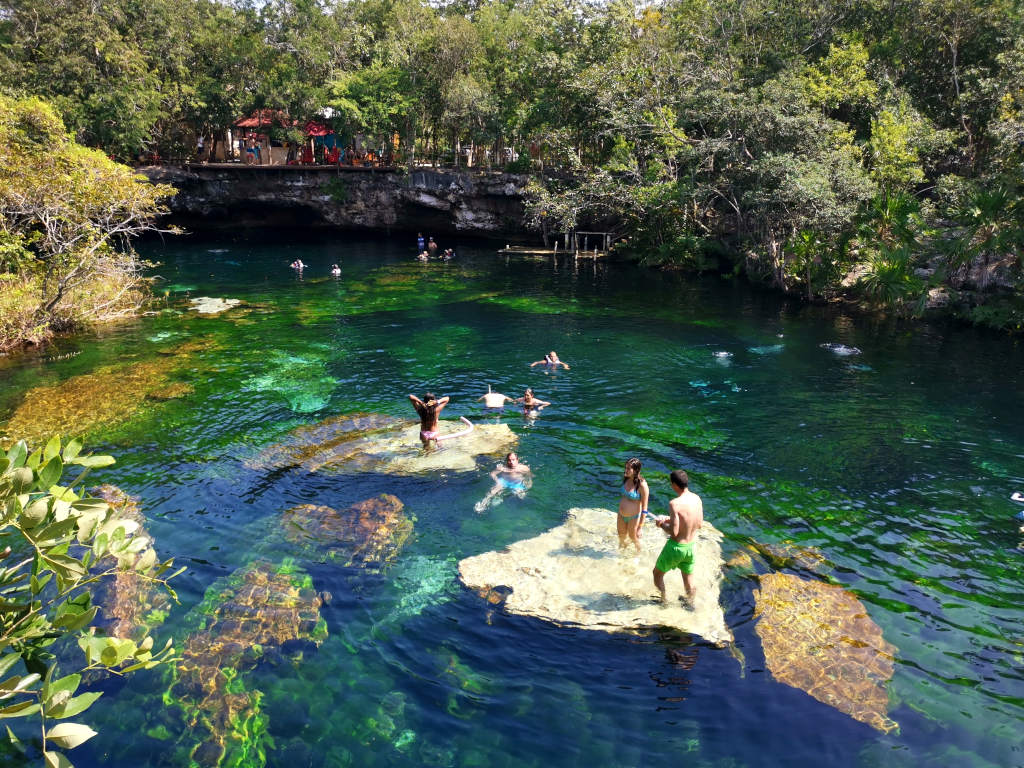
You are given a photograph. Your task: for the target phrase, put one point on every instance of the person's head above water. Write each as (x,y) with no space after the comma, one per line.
(679,479)
(511,460)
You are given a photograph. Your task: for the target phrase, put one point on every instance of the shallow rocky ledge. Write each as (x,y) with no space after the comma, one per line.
(224,196)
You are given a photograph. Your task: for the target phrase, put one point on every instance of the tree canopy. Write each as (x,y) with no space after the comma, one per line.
(770,130)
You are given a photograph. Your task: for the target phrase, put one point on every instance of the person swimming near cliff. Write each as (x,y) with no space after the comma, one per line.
(531,405)
(429,409)
(335,270)
(512,476)
(550,361)
(297,265)
(632,504)
(494,400)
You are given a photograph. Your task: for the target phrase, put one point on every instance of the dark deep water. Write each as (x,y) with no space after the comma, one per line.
(895,463)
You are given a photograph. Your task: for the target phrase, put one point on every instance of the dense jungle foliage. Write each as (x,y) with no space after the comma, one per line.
(861,148)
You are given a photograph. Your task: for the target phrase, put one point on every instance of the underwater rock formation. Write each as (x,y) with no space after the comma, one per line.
(332,441)
(369,442)
(249,616)
(575,575)
(108,396)
(789,555)
(206,305)
(369,534)
(302,380)
(819,638)
(130,605)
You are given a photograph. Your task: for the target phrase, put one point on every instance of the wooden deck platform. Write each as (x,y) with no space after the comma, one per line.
(528,250)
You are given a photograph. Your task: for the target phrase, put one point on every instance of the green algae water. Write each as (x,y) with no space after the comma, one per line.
(886,451)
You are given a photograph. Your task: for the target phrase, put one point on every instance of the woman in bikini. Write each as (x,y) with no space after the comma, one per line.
(632,504)
(428,409)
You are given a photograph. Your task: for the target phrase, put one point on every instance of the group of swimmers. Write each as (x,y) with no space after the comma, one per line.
(427,249)
(686,511)
(298,266)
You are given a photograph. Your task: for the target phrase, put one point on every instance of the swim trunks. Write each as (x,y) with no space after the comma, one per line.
(512,485)
(675,555)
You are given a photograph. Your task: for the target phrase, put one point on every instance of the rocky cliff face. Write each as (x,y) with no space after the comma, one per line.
(481,203)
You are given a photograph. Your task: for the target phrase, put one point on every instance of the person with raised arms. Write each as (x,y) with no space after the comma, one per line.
(429,409)
(551,361)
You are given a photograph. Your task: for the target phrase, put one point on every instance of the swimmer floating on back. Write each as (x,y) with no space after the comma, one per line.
(509,476)
(428,409)
(494,399)
(551,361)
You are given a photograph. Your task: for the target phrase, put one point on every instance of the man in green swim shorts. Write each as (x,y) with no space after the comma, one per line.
(686,513)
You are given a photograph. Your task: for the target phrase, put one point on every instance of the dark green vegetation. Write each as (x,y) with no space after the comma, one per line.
(67,215)
(60,545)
(863,148)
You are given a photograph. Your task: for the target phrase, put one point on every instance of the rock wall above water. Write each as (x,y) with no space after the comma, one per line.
(219,196)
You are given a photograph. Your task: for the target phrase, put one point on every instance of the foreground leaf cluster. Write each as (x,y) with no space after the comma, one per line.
(58,543)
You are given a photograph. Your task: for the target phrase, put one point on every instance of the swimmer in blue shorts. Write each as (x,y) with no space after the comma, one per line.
(510,476)
(686,515)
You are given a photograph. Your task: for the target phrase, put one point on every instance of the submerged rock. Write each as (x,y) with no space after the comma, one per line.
(575,575)
(375,443)
(206,305)
(130,605)
(370,533)
(302,380)
(819,638)
(108,396)
(789,555)
(250,615)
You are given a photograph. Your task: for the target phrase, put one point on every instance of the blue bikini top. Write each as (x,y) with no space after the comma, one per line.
(634,494)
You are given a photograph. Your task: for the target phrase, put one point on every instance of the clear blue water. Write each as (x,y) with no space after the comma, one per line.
(896,463)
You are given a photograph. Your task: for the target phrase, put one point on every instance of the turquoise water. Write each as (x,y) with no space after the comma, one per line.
(893,455)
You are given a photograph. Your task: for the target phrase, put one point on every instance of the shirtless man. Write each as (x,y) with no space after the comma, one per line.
(429,409)
(686,514)
(511,476)
(494,399)
(551,360)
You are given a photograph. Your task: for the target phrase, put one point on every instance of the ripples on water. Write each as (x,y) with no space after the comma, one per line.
(896,463)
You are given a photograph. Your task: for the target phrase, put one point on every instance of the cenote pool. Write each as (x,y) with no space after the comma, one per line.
(886,473)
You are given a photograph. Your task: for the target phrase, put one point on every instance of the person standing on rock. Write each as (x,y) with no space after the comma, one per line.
(686,515)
